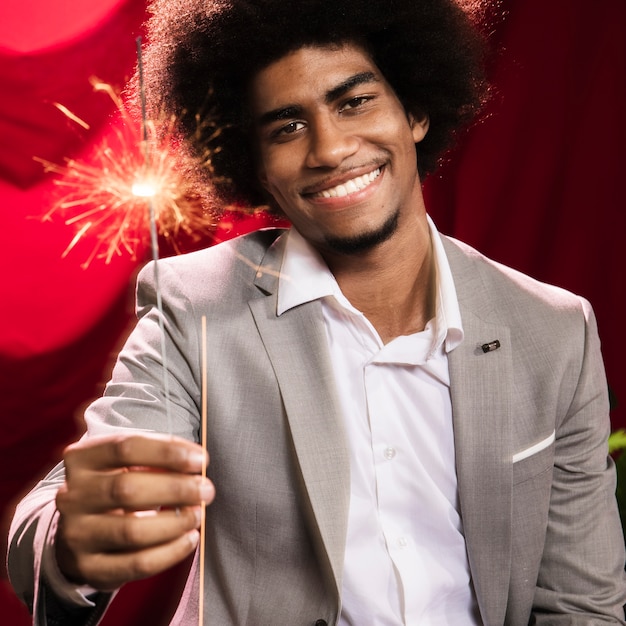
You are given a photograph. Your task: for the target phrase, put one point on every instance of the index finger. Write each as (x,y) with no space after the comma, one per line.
(152,450)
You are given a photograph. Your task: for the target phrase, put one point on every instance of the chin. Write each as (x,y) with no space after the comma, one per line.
(366,241)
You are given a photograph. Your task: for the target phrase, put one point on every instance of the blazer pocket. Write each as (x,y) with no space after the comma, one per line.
(535,448)
(534,460)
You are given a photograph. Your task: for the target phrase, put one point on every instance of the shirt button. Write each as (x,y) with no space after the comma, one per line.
(403,542)
(389,453)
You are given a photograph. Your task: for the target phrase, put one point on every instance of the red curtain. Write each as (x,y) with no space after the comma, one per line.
(534,185)
(538,184)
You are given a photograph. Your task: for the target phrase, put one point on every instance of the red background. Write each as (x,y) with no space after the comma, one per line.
(536,185)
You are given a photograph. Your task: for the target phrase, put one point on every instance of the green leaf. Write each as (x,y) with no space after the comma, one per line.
(617,440)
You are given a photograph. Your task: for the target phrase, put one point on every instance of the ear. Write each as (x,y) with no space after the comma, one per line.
(419,126)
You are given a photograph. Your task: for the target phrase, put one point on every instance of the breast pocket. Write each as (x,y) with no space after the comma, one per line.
(534,460)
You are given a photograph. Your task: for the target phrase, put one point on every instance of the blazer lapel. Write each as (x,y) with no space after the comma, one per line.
(480,383)
(297,347)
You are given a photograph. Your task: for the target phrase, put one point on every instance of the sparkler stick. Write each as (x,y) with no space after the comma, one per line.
(144,190)
(203,441)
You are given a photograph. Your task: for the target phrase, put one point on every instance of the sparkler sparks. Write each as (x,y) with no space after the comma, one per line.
(105,197)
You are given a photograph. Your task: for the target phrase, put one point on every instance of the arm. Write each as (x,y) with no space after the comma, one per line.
(128,509)
(99,500)
(581,579)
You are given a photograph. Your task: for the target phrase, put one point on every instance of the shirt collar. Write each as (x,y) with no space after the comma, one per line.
(305,277)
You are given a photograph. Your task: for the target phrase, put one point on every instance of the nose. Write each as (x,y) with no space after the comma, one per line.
(330,143)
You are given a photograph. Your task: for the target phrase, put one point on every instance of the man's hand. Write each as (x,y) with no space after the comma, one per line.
(130,507)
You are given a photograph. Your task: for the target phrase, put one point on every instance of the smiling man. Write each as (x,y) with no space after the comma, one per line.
(388,445)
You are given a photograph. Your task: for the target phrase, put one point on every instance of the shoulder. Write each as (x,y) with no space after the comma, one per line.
(551,333)
(251,247)
(479,277)
(534,311)
(229,264)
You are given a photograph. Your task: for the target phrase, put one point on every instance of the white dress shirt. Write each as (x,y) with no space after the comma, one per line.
(406,561)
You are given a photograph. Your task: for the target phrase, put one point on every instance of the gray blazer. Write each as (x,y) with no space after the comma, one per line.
(530,421)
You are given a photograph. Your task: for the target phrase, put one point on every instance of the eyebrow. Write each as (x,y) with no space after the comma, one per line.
(351,82)
(295,110)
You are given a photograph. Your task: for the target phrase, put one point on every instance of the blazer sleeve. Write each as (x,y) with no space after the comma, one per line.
(133,400)
(581,578)
(33,523)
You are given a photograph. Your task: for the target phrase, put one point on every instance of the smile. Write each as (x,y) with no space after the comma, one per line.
(351,186)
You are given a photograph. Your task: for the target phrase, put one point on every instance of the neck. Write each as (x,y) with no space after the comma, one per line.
(393,284)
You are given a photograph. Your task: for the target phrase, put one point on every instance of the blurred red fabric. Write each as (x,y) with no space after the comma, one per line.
(536,185)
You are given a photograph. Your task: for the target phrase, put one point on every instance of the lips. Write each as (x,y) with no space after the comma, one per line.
(350,186)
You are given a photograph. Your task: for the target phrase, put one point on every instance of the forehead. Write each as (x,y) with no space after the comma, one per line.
(307,73)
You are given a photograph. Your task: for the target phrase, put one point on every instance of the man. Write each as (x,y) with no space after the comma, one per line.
(400,430)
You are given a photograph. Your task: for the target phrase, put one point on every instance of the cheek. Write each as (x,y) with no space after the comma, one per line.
(278,173)
(392,130)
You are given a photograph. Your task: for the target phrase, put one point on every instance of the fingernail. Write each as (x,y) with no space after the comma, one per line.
(194,537)
(196,460)
(206,490)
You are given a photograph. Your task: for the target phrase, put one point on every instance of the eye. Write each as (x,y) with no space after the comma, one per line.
(288,129)
(355,103)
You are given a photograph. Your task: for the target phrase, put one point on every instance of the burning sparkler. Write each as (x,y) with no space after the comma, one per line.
(106,196)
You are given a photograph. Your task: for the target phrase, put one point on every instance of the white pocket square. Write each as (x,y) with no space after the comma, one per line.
(537,447)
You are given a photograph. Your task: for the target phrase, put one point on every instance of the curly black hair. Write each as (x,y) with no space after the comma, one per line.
(202,54)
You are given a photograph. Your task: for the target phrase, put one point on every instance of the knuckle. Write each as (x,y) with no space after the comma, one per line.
(185,490)
(71,455)
(69,452)
(65,500)
(141,566)
(87,565)
(171,454)
(71,534)
(129,532)
(123,449)
(101,573)
(122,489)
(178,489)
(62,498)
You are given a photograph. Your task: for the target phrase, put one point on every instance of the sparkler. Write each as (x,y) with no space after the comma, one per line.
(105,197)
(203,442)
(134,184)
(144,187)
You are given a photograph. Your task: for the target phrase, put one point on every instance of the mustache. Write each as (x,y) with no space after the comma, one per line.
(339,176)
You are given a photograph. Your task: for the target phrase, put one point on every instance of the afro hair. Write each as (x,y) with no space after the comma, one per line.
(202,54)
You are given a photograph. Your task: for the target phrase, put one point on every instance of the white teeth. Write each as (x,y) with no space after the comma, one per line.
(356,184)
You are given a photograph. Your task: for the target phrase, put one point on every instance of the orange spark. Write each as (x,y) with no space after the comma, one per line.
(107,196)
